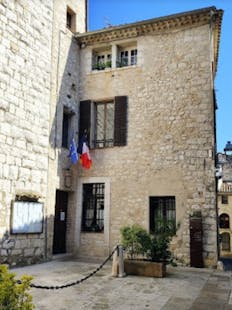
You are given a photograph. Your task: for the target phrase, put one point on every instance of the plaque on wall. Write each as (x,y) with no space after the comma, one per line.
(26,217)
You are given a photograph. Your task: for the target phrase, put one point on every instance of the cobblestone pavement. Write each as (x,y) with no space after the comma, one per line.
(183,288)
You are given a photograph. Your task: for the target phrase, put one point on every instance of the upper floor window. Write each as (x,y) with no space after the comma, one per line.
(93,207)
(66,127)
(163,214)
(104,124)
(127,56)
(104,121)
(224,199)
(101,59)
(71,19)
(115,56)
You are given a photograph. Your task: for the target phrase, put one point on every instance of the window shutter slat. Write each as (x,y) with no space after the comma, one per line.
(85,116)
(120,121)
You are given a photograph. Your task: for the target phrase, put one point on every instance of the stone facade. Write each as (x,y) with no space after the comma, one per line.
(37,52)
(224,201)
(170,146)
(25,36)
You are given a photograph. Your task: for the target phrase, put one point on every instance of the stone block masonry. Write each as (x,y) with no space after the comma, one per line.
(25,66)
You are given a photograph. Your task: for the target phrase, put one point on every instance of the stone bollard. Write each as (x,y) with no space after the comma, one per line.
(121,272)
(115,263)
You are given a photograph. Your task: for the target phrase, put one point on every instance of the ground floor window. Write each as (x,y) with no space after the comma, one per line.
(163,214)
(93,207)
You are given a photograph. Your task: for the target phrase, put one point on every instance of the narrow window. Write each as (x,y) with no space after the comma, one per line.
(70,20)
(162,215)
(133,57)
(104,124)
(93,207)
(124,58)
(224,199)
(66,129)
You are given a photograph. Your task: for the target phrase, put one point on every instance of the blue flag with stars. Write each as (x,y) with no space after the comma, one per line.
(73,151)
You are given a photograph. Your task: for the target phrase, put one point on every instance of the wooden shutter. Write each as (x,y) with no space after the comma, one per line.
(120,121)
(85,118)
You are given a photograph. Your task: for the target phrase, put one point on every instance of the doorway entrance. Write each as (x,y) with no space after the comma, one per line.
(60,221)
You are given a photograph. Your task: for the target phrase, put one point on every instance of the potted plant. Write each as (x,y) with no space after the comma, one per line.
(108,64)
(147,253)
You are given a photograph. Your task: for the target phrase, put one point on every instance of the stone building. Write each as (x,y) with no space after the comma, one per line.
(224,198)
(144,95)
(39,67)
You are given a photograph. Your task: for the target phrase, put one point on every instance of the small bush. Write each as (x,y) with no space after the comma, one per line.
(136,240)
(140,244)
(160,248)
(13,295)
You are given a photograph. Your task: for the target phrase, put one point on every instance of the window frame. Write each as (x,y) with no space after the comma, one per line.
(101,59)
(105,142)
(91,202)
(128,59)
(66,128)
(87,120)
(224,199)
(70,19)
(161,203)
(78,216)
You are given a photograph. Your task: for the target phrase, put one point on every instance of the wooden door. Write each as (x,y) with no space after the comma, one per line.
(196,242)
(60,220)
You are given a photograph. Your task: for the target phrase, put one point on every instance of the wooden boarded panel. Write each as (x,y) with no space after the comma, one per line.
(196,246)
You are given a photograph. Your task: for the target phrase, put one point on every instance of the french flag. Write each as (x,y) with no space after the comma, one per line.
(83,150)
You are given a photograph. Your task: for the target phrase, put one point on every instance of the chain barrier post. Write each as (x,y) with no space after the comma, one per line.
(115,262)
(121,272)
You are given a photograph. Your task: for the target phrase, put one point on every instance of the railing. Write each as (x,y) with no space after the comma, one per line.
(117,271)
(225,188)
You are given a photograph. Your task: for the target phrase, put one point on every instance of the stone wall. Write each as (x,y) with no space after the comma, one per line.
(170,135)
(25,43)
(38,77)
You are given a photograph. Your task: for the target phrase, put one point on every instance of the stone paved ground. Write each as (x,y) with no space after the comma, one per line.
(183,288)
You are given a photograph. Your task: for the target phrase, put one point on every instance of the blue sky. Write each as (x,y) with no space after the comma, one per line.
(116,12)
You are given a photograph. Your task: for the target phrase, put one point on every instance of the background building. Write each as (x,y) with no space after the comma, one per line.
(224,164)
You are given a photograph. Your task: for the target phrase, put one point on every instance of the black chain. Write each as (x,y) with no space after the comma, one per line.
(57,287)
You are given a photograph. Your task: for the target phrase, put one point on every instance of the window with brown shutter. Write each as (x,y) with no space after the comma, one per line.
(109,122)
(85,117)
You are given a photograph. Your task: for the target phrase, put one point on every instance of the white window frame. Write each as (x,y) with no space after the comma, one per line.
(129,50)
(101,58)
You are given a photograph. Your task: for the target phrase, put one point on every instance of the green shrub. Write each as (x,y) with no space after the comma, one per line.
(160,248)
(13,295)
(136,240)
(139,243)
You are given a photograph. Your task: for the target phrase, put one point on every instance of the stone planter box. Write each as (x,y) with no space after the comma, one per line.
(144,268)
